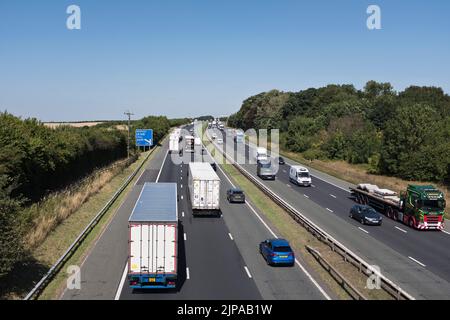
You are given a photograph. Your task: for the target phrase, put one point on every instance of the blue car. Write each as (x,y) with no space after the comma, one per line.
(277,251)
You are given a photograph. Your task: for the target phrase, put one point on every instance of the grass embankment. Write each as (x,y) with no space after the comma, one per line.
(59,219)
(299,238)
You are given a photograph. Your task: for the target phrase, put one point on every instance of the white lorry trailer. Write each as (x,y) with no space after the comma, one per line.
(261,154)
(204,189)
(153,236)
(174,143)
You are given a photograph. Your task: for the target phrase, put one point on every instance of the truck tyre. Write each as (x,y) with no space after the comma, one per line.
(395,215)
(411,223)
(389,212)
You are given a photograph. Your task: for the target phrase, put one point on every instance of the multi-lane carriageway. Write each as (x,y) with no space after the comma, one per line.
(218,258)
(418,261)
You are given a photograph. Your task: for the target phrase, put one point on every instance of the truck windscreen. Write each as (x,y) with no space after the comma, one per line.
(266,165)
(303,174)
(432,204)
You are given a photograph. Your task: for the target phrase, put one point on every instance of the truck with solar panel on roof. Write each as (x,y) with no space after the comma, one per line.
(153,236)
(420,207)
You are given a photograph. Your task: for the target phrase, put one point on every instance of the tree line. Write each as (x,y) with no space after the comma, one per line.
(36,160)
(404,134)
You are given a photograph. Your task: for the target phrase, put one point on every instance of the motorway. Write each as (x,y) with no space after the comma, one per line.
(418,261)
(218,257)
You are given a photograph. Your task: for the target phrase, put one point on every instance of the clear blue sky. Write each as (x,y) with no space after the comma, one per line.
(188,58)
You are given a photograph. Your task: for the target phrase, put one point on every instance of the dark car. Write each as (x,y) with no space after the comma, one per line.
(235,195)
(281,160)
(214,166)
(277,251)
(365,215)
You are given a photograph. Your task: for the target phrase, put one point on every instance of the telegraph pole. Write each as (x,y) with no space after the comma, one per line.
(129,114)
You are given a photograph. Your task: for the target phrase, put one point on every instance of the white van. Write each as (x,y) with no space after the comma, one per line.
(300,175)
(260,154)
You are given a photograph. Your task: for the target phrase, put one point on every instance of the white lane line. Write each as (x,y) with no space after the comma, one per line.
(181,197)
(313,185)
(288,185)
(231,237)
(139,177)
(160,170)
(181,178)
(330,210)
(332,195)
(306,196)
(181,186)
(404,231)
(182,214)
(418,262)
(284,171)
(188,276)
(275,236)
(122,282)
(185,237)
(363,230)
(312,280)
(445,232)
(248,272)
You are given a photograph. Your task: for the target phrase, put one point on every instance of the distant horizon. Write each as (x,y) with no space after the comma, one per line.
(185,58)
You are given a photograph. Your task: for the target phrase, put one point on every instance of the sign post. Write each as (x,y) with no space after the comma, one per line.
(144,138)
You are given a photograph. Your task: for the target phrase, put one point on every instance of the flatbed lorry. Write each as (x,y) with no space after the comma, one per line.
(153,236)
(420,207)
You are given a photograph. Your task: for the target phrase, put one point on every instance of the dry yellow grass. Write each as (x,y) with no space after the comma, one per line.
(50,212)
(72,124)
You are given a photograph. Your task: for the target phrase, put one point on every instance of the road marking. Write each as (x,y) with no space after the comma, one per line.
(140,177)
(181,197)
(248,272)
(330,210)
(187,274)
(416,261)
(284,171)
(312,280)
(181,178)
(160,170)
(231,237)
(122,282)
(306,196)
(181,186)
(445,232)
(288,185)
(313,186)
(182,214)
(363,230)
(404,231)
(333,195)
(185,237)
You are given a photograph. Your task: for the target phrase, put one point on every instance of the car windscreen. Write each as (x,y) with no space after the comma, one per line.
(266,165)
(303,174)
(370,213)
(282,249)
(237,192)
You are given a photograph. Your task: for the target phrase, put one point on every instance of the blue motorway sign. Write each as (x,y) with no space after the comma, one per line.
(144,137)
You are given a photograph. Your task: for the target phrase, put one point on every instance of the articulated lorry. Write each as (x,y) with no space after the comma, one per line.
(204,189)
(420,207)
(153,236)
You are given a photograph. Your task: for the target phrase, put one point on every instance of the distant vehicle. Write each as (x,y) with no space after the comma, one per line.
(204,189)
(153,237)
(281,161)
(260,154)
(235,195)
(214,166)
(174,143)
(221,127)
(239,138)
(220,141)
(189,141)
(277,251)
(420,207)
(214,136)
(300,176)
(197,142)
(265,170)
(365,215)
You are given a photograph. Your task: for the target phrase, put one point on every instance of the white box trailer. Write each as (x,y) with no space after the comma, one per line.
(174,143)
(204,189)
(153,236)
